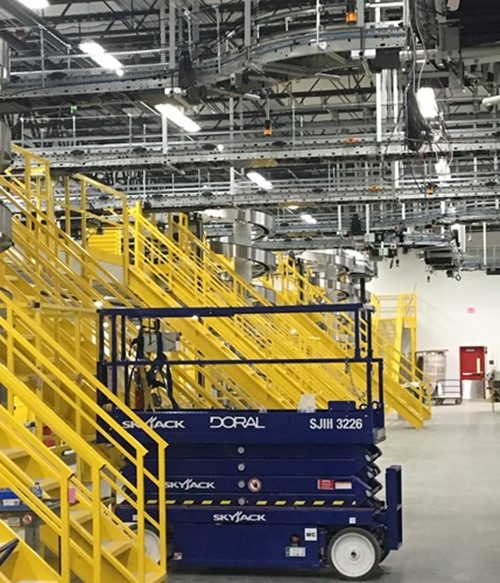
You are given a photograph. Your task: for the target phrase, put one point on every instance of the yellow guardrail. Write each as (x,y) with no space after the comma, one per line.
(12,477)
(79,276)
(195,279)
(211,281)
(72,402)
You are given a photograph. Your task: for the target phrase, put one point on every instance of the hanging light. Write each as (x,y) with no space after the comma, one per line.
(259,180)
(176,116)
(309,219)
(35,4)
(101,56)
(426,99)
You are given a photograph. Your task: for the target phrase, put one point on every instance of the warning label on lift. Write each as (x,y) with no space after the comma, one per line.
(295,551)
(326,484)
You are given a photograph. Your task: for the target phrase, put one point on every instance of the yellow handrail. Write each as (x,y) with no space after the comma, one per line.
(85,409)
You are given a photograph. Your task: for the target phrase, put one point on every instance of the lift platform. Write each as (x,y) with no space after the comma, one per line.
(268,489)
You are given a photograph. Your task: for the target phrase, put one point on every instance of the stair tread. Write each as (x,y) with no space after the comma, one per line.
(13,452)
(116,547)
(80,515)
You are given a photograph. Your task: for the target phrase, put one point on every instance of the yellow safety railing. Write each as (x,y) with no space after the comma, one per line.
(72,407)
(15,435)
(195,278)
(84,278)
(24,564)
(69,530)
(205,288)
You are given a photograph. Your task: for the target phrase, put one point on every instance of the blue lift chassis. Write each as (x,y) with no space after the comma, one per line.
(272,489)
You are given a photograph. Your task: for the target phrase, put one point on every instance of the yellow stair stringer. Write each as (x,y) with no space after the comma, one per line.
(24,564)
(130,564)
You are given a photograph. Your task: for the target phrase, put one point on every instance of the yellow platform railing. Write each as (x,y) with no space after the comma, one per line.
(211,281)
(71,407)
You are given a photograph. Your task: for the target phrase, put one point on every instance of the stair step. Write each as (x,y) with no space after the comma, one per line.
(29,378)
(80,515)
(14,452)
(150,577)
(47,484)
(115,547)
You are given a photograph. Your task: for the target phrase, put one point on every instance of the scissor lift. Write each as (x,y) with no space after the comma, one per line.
(270,489)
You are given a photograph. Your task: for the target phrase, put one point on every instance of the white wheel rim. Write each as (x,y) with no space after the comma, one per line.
(353,555)
(152,546)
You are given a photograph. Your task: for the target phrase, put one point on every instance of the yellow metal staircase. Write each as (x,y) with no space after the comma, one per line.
(47,362)
(102,548)
(405,391)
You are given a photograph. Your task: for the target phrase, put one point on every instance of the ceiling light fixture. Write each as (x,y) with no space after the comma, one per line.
(101,56)
(253,96)
(426,99)
(292,207)
(308,219)
(35,4)
(259,180)
(176,116)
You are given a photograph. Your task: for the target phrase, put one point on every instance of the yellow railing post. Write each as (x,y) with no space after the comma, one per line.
(65,539)
(96,524)
(141,519)
(162,503)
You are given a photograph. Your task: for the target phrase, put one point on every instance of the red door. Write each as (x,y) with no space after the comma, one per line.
(472,363)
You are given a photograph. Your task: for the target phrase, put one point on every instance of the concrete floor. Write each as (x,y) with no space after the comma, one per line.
(452,504)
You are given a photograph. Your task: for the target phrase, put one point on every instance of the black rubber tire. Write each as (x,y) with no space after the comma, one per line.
(384,554)
(369,537)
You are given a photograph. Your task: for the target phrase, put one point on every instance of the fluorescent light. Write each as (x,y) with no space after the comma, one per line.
(443,170)
(309,219)
(491,101)
(220,147)
(35,4)
(99,55)
(292,207)
(259,180)
(175,115)
(426,99)
(253,96)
